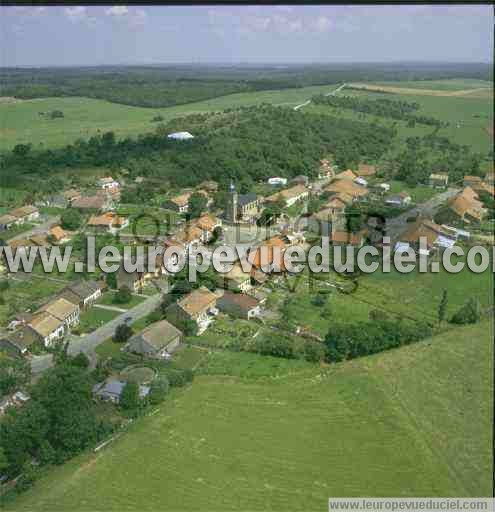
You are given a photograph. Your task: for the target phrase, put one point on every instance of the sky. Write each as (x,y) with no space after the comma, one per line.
(98,35)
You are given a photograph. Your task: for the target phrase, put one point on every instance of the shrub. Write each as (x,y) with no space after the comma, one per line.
(159,389)
(179,378)
(363,338)
(123,296)
(71,219)
(81,360)
(318,300)
(314,351)
(122,333)
(129,398)
(469,313)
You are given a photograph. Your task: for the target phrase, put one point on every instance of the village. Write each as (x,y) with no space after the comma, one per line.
(87,313)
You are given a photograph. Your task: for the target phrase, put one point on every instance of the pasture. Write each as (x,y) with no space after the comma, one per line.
(85,117)
(415,421)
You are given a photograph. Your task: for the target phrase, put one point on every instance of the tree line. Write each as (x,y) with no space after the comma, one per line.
(173,85)
(393,109)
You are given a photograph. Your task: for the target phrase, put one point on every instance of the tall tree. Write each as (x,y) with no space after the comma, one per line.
(442,307)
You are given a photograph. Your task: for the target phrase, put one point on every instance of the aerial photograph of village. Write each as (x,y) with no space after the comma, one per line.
(246,257)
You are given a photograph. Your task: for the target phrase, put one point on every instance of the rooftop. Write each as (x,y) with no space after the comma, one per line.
(44,323)
(60,308)
(90,202)
(197,301)
(240,299)
(159,334)
(23,211)
(366,170)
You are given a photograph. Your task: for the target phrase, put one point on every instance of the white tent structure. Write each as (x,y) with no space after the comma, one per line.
(180,136)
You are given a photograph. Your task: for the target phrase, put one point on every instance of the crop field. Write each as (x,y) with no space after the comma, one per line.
(469,116)
(264,434)
(85,117)
(452,84)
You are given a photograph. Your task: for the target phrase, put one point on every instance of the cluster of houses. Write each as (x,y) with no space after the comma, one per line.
(19,216)
(53,320)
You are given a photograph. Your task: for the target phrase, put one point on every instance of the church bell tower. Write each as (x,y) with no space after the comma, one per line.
(232,205)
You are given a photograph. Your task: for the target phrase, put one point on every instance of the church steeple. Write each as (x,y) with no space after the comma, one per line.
(232,204)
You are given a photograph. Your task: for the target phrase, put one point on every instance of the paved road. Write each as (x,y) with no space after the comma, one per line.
(428,209)
(88,343)
(38,229)
(331,93)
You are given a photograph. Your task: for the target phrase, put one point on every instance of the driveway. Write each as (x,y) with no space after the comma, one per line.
(89,342)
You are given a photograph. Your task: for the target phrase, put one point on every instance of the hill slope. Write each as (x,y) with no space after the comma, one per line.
(413,421)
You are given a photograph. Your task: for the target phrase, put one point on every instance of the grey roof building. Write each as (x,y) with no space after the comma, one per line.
(111,390)
(157,340)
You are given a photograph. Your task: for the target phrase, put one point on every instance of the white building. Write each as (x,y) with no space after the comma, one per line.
(277,181)
(108,183)
(180,136)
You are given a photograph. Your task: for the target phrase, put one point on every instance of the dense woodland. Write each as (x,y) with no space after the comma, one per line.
(246,145)
(433,153)
(383,107)
(164,86)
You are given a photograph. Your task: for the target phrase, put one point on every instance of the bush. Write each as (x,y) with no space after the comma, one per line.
(159,389)
(469,313)
(179,378)
(71,219)
(314,351)
(129,398)
(319,300)
(122,333)
(274,345)
(81,360)
(111,280)
(345,341)
(123,296)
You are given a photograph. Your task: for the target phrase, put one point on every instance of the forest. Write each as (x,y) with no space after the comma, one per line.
(383,107)
(163,86)
(246,145)
(433,153)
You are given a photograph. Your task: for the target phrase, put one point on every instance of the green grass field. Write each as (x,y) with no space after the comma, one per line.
(85,117)
(108,300)
(469,117)
(415,295)
(93,318)
(415,421)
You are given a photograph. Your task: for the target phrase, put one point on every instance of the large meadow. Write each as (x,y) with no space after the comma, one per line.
(21,121)
(287,435)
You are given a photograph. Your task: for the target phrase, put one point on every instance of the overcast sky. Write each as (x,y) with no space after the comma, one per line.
(42,36)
